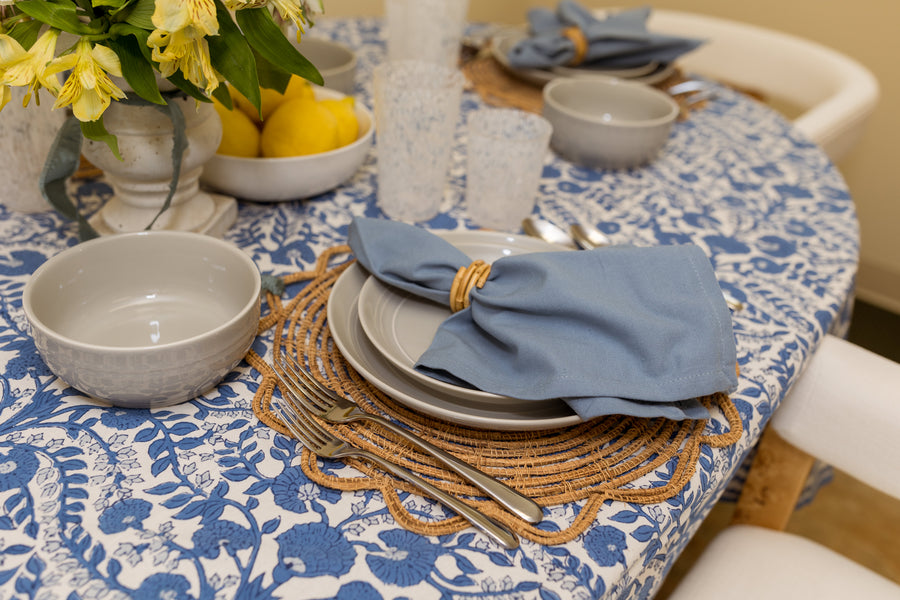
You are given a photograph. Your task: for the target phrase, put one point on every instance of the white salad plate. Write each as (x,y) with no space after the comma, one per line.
(401,326)
(447,403)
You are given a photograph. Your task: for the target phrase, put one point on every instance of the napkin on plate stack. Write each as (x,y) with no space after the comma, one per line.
(619,41)
(616,330)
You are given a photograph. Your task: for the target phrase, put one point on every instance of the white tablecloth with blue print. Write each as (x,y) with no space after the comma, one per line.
(201,500)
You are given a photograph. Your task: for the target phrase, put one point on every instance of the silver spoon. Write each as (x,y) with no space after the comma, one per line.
(686,87)
(546,231)
(588,236)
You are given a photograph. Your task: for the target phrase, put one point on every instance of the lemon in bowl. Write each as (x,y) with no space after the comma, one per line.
(287,173)
(299,127)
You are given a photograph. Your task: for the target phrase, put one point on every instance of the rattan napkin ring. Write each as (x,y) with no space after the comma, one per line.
(467,278)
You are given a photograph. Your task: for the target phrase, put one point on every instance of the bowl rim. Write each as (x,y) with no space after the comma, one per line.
(232,249)
(331,94)
(351,63)
(550,100)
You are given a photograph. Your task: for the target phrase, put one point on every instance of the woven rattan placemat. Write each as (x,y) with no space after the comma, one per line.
(592,462)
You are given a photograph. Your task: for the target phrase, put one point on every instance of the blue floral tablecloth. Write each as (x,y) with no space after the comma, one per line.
(201,500)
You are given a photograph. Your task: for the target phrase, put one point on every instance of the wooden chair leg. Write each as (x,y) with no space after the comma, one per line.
(774,483)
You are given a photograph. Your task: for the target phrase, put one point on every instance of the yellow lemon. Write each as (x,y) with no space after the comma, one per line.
(299,127)
(240,137)
(270,99)
(348,126)
(298,88)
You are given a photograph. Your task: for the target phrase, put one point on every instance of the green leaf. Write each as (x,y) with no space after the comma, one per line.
(231,56)
(135,68)
(221,94)
(61,14)
(179,146)
(26,32)
(62,161)
(178,80)
(110,3)
(271,76)
(140,14)
(124,29)
(95,130)
(266,37)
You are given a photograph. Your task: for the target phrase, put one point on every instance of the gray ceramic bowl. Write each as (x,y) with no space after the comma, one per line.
(336,62)
(144,319)
(606,122)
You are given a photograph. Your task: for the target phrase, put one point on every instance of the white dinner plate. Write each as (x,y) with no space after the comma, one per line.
(505,39)
(354,344)
(401,325)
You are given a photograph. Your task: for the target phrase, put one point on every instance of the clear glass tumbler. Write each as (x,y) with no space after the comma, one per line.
(506,153)
(428,30)
(416,112)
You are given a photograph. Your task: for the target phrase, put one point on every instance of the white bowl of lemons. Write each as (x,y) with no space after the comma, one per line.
(306,142)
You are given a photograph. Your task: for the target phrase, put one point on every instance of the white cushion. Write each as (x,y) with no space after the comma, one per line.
(752,563)
(845,410)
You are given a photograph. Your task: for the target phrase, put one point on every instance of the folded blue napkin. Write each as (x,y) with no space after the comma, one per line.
(619,41)
(616,330)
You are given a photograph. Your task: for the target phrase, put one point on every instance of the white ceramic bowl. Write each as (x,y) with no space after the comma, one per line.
(294,177)
(336,62)
(144,319)
(607,122)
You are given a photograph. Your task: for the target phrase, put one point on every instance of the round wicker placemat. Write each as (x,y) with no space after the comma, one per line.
(592,462)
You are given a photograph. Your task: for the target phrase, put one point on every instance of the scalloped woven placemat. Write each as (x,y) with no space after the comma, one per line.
(591,462)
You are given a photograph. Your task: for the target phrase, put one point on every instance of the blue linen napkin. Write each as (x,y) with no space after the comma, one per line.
(619,41)
(616,330)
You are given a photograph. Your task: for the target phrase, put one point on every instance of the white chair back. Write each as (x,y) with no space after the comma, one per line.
(833,95)
(844,409)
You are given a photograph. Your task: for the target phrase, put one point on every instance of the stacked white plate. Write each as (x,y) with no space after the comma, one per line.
(382,331)
(503,41)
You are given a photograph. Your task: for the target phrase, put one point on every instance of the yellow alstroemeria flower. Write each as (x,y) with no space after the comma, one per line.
(292,10)
(174,15)
(239,4)
(179,40)
(88,89)
(10,50)
(29,69)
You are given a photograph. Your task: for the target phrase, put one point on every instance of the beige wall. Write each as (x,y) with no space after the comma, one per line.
(865,30)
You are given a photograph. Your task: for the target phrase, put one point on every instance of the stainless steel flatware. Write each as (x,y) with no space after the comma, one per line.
(322,443)
(588,237)
(547,231)
(686,87)
(333,407)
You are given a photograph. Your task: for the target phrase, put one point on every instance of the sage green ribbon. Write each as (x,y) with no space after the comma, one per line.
(65,155)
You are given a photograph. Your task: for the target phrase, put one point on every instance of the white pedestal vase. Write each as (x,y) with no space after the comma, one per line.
(141,180)
(26,134)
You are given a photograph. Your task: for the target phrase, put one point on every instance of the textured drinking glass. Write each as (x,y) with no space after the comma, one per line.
(428,30)
(416,111)
(505,160)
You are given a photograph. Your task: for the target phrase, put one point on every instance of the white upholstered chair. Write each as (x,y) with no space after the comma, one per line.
(833,93)
(845,410)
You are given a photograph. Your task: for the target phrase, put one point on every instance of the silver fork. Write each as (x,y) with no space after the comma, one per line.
(335,408)
(322,443)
